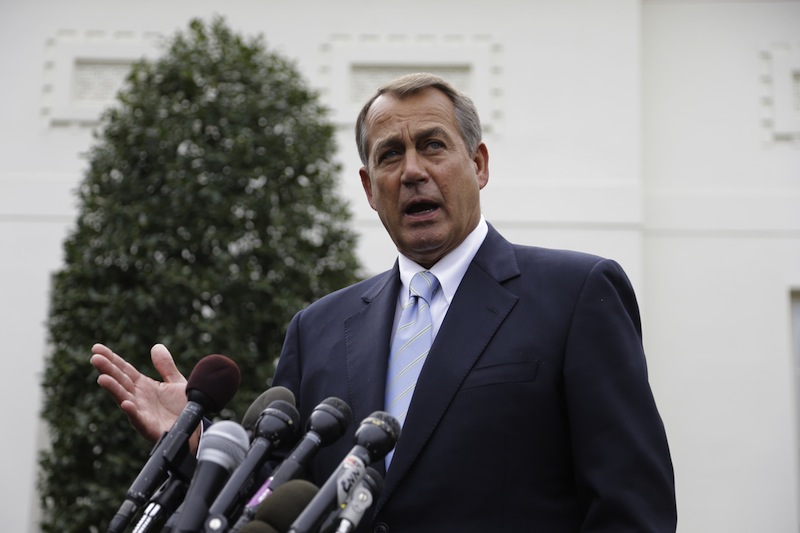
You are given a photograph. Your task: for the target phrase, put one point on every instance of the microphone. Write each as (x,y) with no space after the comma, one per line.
(222,448)
(270,395)
(168,498)
(278,422)
(285,504)
(258,527)
(211,385)
(163,503)
(375,437)
(326,423)
(368,489)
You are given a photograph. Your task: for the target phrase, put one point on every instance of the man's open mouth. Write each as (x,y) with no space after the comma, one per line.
(420,207)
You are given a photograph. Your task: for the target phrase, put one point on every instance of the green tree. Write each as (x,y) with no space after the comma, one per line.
(208,215)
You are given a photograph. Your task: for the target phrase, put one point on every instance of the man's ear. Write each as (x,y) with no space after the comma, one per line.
(366,182)
(481,160)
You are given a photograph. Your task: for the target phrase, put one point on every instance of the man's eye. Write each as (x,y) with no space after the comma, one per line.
(388,154)
(434,145)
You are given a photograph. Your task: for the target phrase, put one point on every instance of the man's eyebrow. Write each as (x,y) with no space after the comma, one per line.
(380,145)
(434,131)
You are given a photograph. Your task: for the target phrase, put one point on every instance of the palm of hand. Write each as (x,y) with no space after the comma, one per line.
(158,405)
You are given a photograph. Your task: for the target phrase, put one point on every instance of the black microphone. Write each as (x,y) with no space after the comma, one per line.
(375,437)
(270,395)
(222,448)
(258,527)
(366,491)
(285,504)
(170,495)
(326,423)
(163,503)
(277,423)
(211,385)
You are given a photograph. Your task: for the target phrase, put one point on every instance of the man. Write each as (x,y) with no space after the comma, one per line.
(531,411)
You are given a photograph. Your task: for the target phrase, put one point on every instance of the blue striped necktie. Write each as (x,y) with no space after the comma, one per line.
(412,342)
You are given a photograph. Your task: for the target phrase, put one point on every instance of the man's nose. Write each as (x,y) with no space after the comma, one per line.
(413,168)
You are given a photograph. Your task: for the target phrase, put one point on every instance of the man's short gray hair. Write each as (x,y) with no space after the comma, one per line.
(467,118)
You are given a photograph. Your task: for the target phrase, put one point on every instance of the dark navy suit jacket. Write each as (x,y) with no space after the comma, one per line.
(533,410)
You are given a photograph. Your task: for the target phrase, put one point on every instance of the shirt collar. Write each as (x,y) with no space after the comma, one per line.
(450,269)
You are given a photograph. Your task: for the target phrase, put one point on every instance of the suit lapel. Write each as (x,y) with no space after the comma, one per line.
(478,308)
(366,340)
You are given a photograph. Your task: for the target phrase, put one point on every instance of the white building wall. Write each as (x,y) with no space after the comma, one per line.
(722,254)
(633,131)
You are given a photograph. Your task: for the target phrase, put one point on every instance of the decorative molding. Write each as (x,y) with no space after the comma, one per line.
(781,92)
(353,66)
(84,70)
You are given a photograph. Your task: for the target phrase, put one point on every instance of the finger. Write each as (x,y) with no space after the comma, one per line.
(111,364)
(102,349)
(165,364)
(139,421)
(117,391)
(135,418)
(100,354)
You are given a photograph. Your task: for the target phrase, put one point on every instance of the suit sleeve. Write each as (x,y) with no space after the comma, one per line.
(622,461)
(287,373)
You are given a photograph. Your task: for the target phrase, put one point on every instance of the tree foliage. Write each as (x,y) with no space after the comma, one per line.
(208,215)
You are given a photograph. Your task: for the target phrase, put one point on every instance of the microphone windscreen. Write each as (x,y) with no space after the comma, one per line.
(224,443)
(262,402)
(213,382)
(378,433)
(330,419)
(374,481)
(286,503)
(256,526)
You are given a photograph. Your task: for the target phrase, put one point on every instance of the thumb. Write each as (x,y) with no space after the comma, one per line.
(165,364)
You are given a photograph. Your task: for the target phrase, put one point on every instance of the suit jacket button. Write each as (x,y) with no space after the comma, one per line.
(381,527)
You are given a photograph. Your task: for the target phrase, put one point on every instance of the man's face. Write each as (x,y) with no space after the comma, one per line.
(419,176)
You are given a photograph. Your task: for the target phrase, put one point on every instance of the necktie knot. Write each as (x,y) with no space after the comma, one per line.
(423,285)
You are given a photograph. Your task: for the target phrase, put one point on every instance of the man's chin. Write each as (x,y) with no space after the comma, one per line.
(425,250)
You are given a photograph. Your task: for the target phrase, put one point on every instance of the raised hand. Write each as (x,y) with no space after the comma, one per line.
(152,406)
